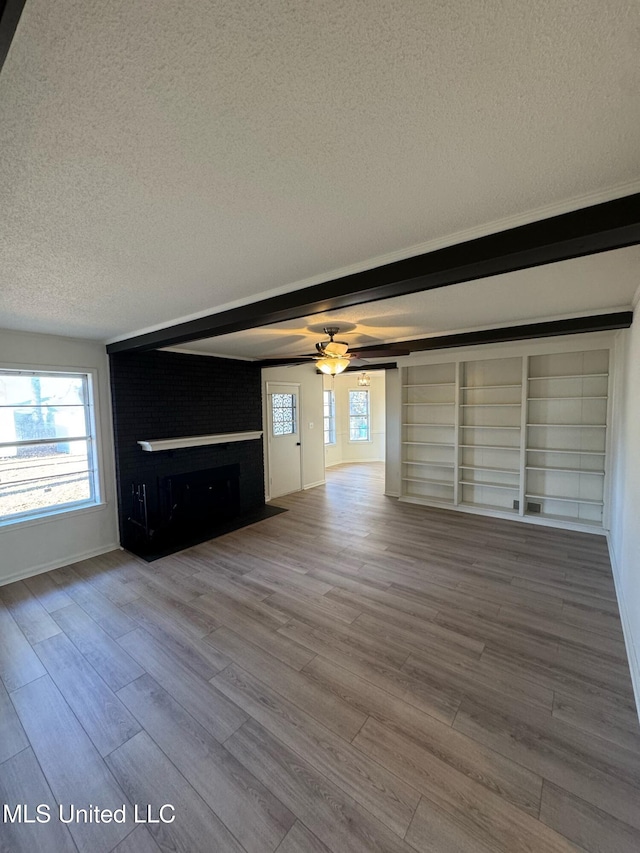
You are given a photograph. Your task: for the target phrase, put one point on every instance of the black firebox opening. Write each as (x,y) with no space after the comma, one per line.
(199,499)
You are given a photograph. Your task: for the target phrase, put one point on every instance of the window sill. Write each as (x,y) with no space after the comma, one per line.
(49,516)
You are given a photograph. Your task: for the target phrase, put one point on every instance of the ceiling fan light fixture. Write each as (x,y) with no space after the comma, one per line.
(335,348)
(332,365)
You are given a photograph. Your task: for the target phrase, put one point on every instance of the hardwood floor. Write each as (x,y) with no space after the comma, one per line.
(354,675)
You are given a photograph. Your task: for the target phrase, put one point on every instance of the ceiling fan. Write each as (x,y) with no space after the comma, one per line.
(333,356)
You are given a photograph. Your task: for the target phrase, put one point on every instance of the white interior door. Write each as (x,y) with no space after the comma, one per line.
(283,407)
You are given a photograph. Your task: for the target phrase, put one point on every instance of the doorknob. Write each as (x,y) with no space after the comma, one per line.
(298,443)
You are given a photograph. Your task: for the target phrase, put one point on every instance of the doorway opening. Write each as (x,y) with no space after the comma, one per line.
(354,420)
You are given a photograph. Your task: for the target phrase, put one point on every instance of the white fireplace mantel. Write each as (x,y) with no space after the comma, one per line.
(152,445)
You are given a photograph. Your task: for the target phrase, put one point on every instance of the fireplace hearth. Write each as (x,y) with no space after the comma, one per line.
(190,507)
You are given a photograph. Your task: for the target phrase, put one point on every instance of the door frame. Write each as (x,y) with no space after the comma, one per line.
(268,437)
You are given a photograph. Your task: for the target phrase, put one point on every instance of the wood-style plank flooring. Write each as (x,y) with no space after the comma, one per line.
(354,675)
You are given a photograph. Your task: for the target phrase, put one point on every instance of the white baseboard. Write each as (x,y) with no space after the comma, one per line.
(632,654)
(351,461)
(391,494)
(313,485)
(58,564)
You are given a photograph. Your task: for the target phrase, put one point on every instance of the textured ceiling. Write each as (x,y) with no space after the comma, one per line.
(581,286)
(161,159)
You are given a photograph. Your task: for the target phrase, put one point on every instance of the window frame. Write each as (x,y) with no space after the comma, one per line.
(368,415)
(294,414)
(89,378)
(329,429)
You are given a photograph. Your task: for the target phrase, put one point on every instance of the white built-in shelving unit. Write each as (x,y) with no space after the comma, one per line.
(521,436)
(490,426)
(566,436)
(429,432)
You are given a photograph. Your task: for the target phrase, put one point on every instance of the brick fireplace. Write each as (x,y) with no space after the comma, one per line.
(167,496)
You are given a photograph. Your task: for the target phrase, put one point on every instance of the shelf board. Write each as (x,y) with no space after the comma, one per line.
(489,485)
(428,480)
(449,403)
(428,500)
(489,468)
(444,426)
(489,405)
(560,450)
(430,385)
(477,426)
(431,443)
(569,376)
(485,387)
(564,470)
(489,506)
(572,397)
(490,447)
(570,518)
(570,426)
(429,464)
(565,499)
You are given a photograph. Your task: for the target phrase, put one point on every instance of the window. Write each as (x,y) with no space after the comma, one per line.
(329,417)
(358,416)
(283,414)
(47,443)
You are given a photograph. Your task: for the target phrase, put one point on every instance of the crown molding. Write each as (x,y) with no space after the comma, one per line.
(186,351)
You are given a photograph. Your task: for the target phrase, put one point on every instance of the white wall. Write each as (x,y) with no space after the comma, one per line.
(35,545)
(357,451)
(311,412)
(624,537)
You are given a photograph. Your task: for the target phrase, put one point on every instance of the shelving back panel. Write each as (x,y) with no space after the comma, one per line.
(492,373)
(430,374)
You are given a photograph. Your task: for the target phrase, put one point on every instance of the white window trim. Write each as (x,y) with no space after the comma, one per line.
(367,440)
(332,419)
(97,501)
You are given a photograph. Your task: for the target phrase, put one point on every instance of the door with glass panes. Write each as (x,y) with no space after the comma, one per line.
(283,405)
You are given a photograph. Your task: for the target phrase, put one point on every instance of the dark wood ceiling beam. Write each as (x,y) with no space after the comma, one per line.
(294,362)
(10,11)
(284,362)
(548,329)
(600,228)
(500,335)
